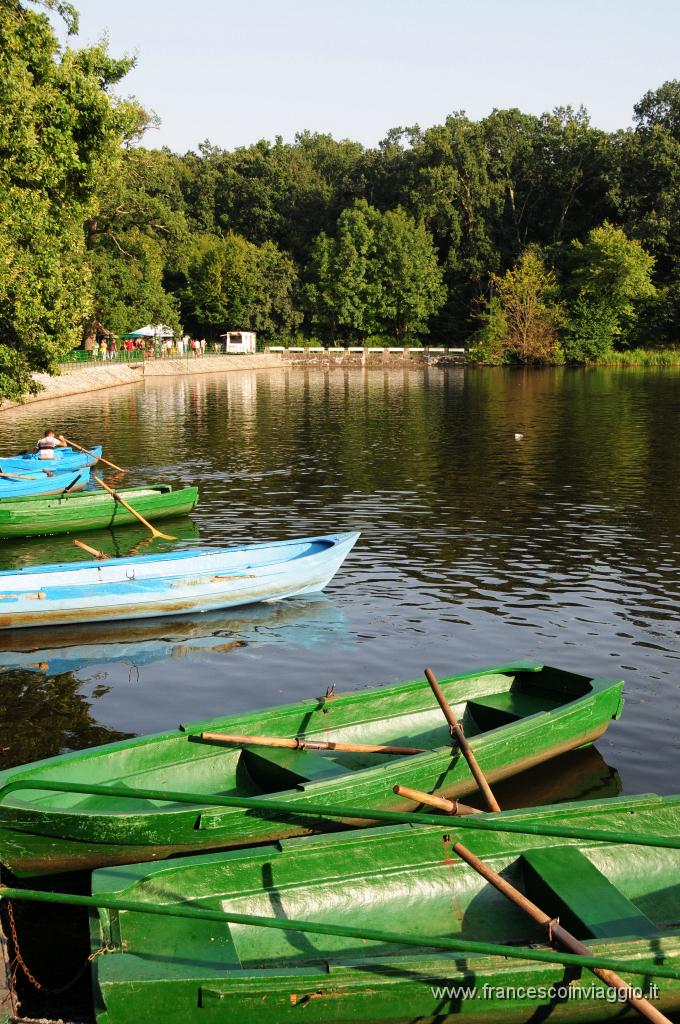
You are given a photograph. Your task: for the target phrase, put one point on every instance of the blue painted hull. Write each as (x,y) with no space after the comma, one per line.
(44,482)
(194,580)
(64,460)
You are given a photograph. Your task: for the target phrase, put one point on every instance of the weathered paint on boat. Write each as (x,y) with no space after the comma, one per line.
(92,510)
(44,482)
(62,460)
(516,716)
(622,901)
(192,580)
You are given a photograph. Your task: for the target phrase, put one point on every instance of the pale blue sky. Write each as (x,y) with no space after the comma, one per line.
(235,72)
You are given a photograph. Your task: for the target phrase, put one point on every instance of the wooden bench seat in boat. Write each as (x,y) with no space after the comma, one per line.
(498,709)
(563,882)
(277,768)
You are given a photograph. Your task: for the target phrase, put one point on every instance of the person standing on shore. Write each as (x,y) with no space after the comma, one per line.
(46,445)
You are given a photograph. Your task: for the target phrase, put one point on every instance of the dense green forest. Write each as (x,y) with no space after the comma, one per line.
(523,237)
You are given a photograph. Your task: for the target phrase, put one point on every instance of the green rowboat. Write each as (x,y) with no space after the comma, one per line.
(515,716)
(91,510)
(621,901)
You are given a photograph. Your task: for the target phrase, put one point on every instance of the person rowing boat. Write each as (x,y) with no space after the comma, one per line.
(46,445)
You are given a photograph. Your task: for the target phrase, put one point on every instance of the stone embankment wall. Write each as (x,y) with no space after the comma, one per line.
(79,380)
(95,376)
(372,358)
(214,364)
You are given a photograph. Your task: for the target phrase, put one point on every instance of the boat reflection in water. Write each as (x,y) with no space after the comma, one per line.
(303,622)
(581,774)
(123,541)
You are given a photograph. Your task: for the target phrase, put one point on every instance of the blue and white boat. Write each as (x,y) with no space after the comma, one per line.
(41,482)
(62,460)
(174,583)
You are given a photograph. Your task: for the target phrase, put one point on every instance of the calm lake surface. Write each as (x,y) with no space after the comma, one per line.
(476,549)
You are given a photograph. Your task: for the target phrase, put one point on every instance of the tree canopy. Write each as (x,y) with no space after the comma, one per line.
(426,236)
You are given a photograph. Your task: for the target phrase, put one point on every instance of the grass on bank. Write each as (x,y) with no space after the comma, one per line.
(642,357)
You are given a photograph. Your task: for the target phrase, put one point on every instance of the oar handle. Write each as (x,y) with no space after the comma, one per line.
(91,551)
(465,747)
(442,701)
(440,802)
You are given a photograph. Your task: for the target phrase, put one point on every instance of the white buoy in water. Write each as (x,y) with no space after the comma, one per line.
(519,437)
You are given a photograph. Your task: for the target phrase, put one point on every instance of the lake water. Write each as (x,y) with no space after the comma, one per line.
(476,549)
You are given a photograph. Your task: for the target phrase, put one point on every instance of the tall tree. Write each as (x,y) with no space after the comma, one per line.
(411,281)
(611,275)
(645,190)
(523,315)
(58,122)
(222,283)
(340,294)
(137,238)
(378,275)
(232,284)
(660,108)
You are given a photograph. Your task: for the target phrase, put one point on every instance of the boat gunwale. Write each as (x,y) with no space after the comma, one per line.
(329,541)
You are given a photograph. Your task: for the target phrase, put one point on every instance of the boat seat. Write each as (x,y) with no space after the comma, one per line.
(563,882)
(502,708)
(276,768)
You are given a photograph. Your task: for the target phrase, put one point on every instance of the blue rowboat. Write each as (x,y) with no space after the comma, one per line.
(62,460)
(42,481)
(193,580)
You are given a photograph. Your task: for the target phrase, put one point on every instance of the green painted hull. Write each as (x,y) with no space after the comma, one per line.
(622,901)
(91,510)
(515,717)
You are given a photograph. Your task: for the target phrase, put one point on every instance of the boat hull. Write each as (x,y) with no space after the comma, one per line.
(515,716)
(397,879)
(92,510)
(44,482)
(179,583)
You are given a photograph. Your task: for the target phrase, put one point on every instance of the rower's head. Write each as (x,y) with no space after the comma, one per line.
(50,433)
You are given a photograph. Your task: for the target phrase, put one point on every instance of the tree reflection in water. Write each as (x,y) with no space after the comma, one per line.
(47,715)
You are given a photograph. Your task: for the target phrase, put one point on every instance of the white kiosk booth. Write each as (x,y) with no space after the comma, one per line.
(240,341)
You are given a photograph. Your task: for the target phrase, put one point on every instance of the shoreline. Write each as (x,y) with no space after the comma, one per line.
(84,379)
(81,379)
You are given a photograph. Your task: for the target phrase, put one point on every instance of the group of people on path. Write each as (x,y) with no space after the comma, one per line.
(165,348)
(182,346)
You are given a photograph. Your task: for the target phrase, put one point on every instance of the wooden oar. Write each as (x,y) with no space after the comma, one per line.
(154,532)
(440,802)
(97,458)
(557,935)
(18,476)
(459,735)
(303,744)
(92,551)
